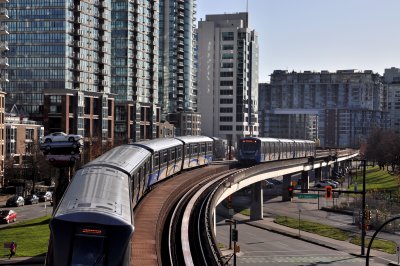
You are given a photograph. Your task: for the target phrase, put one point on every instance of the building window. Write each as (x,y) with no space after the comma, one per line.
(227,65)
(226,92)
(226,119)
(225,128)
(225,101)
(226,83)
(226,74)
(227,56)
(225,110)
(227,47)
(227,36)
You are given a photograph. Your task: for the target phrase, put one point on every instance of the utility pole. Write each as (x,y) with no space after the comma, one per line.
(363,231)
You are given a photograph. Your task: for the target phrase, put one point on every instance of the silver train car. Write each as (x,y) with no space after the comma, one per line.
(254,150)
(93,222)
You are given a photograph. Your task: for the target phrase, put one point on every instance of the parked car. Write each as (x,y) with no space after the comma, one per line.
(31,199)
(44,196)
(324,183)
(337,184)
(15,201)
(60,136)
(8,216)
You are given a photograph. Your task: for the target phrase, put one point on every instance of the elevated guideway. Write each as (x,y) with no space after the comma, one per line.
(254,175)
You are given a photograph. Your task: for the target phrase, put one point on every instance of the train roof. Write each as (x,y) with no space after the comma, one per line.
(262,139)
(126,157)
(100,192)
(194,139)
(279,140)
(158,144)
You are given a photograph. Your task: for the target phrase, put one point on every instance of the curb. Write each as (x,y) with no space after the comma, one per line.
(23,260)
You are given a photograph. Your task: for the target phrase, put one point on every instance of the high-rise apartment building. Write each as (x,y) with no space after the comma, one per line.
(60,65)
(177,71)
(392,83)
(135,42)
(228,76)
(3,78)
(340,109)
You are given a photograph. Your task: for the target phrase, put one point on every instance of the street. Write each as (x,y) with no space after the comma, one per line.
(28,212)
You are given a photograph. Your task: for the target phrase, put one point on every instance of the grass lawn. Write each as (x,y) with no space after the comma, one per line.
(31,237)
(375,179)
(335,233)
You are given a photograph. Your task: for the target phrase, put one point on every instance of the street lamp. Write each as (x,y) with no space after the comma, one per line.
(233,236)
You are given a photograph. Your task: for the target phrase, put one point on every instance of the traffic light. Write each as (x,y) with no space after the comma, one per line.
(328,192)
(290,190)
(234,235)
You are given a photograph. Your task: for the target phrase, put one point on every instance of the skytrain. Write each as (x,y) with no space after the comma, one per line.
(93,222)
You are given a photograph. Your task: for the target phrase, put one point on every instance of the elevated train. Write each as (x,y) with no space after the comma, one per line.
(254,150)
(93,223)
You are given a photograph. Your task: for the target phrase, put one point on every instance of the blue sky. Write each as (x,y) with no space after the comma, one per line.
(319,34)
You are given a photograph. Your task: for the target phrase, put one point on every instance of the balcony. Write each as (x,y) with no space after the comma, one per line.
(3,13)
(4,77)
(4,29)
(3,62)
(3,46)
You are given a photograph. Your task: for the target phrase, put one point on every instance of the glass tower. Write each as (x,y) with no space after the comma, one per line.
(135,35)
(60,64)
(177,72)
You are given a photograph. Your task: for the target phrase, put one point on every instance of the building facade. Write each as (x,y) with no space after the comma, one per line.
(60,65)
(392,82)
(135,42)
(3,79)
(228,76)
(340,109)
(177,61)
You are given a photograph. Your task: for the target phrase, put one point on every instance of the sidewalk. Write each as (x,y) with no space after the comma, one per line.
(268,224)
(23,261)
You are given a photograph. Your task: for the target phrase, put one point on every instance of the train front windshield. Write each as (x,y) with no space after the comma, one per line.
(88,250)
(249,145)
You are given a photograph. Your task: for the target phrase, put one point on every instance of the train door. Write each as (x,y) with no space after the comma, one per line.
(140,183)
(202,154)
(163,164)
(147,167)
(135,187)
(155,169)
(195,155)
(186,160)
(210,152)
(179,161)
(172,160)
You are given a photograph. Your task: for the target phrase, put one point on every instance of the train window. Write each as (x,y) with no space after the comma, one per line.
(88,250)
(187,150)
(203,148)
(210,146)
(172,154)
(156,160)
(164,157)
(179,153)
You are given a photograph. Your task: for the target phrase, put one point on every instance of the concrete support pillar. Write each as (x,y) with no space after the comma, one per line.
(318,174)
(305,182)
(285,185)
(256,209)
(326,172)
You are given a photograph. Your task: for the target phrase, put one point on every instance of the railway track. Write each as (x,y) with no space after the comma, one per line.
(153,214)
(189,236)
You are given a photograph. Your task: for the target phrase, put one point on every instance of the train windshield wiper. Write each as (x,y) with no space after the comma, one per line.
(99,260)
